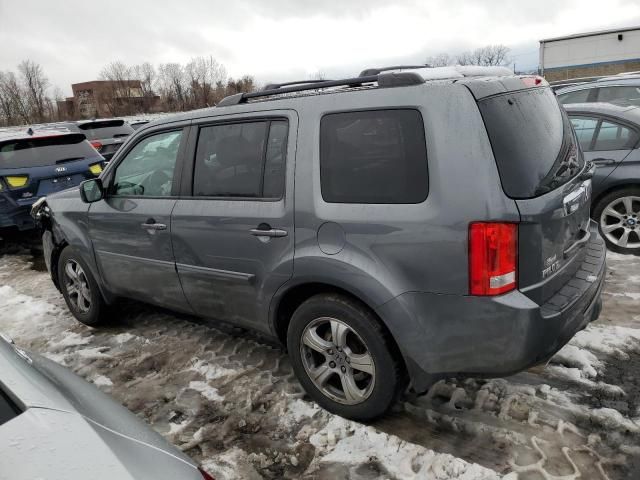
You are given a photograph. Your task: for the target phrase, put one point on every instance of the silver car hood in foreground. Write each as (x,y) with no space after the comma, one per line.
(70,430)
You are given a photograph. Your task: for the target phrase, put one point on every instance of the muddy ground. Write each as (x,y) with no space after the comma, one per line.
(229,398)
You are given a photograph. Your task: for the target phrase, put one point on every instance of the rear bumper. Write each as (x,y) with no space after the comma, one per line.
(447,335)
(18,217)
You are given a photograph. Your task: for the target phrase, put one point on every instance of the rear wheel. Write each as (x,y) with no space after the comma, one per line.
(80,289)
(343,357)
(618,217)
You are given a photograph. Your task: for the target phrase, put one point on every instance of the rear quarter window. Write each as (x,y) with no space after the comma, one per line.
(376,156)
(533,141)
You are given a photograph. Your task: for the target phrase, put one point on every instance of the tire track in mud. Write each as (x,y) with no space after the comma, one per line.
(209,390)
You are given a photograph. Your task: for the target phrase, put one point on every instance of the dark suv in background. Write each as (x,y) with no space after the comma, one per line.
(37,162)
(106,135)
(388,228)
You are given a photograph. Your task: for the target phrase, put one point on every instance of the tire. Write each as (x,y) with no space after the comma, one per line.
(618,217)
(369,392)
(85,302)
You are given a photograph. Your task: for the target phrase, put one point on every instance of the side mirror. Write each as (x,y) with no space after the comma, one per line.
(91,190)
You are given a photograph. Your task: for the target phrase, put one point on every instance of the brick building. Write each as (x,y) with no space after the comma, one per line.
(105,98)
(607,52)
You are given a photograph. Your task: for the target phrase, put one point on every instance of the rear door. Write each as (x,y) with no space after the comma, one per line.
(233,232)
(131,227)
(540,167)
(605,141)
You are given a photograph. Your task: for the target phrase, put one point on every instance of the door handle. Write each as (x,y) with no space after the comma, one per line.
(273,232)
(603,161)
(152,225)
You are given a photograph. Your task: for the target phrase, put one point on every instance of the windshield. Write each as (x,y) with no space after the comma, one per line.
(532,140)
(43,151)
(106,129)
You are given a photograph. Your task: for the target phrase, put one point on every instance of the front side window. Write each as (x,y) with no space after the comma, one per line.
(148,168)
(584,127)
(613,136)
(241,160)
(376,156)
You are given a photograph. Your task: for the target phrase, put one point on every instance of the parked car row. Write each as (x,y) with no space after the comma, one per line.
(606,117)
(384,237)
(43,159)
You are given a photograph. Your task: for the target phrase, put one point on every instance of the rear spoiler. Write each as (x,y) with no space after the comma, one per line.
(487,87)
(100,124)
(44,140)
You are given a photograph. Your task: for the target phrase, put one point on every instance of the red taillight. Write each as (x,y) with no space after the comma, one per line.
(205,475)
(493,257)
(97,145)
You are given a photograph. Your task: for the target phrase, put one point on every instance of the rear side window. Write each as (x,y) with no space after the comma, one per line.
(584,127)
(241,160)
(376,156)
(579,96)
(532,140)
(628,94)
(43,151)
(613,136)
(106,129)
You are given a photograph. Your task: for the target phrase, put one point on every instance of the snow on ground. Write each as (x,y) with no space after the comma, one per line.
(230,400)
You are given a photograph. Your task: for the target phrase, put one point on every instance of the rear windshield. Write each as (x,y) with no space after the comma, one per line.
(533,142)
(39,152)
(106,129)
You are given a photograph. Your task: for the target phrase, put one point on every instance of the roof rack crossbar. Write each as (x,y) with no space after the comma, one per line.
(375,71)
(273,86)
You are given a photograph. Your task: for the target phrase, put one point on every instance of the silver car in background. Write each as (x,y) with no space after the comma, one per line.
(56,426)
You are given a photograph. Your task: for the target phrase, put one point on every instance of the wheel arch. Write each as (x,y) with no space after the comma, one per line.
(290,297)
(611,189)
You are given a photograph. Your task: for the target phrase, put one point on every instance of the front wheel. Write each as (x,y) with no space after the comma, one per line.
(80,289)
(343,357)
(618,217)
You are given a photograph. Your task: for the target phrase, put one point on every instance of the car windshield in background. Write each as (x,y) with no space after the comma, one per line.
(106,129)
(532,141)
(42,151)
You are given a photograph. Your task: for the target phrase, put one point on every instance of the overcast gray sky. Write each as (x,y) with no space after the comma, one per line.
(284,39)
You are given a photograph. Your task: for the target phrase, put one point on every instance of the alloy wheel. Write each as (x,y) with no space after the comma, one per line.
(77,286)
(337,361)
(620,222)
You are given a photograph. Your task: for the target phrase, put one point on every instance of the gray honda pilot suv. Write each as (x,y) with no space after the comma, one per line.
(390,229)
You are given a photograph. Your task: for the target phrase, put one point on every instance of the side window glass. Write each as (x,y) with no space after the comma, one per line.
(585,128)
(579,96)
(376,156)
(148,168)
(628,95)
(274,167)
(241,160)
(612,136)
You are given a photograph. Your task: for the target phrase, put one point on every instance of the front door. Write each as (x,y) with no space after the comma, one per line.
(131,227)
(233,237)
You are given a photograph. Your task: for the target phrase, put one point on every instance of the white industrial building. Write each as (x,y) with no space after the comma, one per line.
(591,54)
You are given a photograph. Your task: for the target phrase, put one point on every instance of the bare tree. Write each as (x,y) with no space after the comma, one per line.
(172,86)
(440,60)
(489,56)
(35,85)
(13,100)
(204,74)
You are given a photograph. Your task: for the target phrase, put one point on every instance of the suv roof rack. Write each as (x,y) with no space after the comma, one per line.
(377,71)
(273,86)
(384,80)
